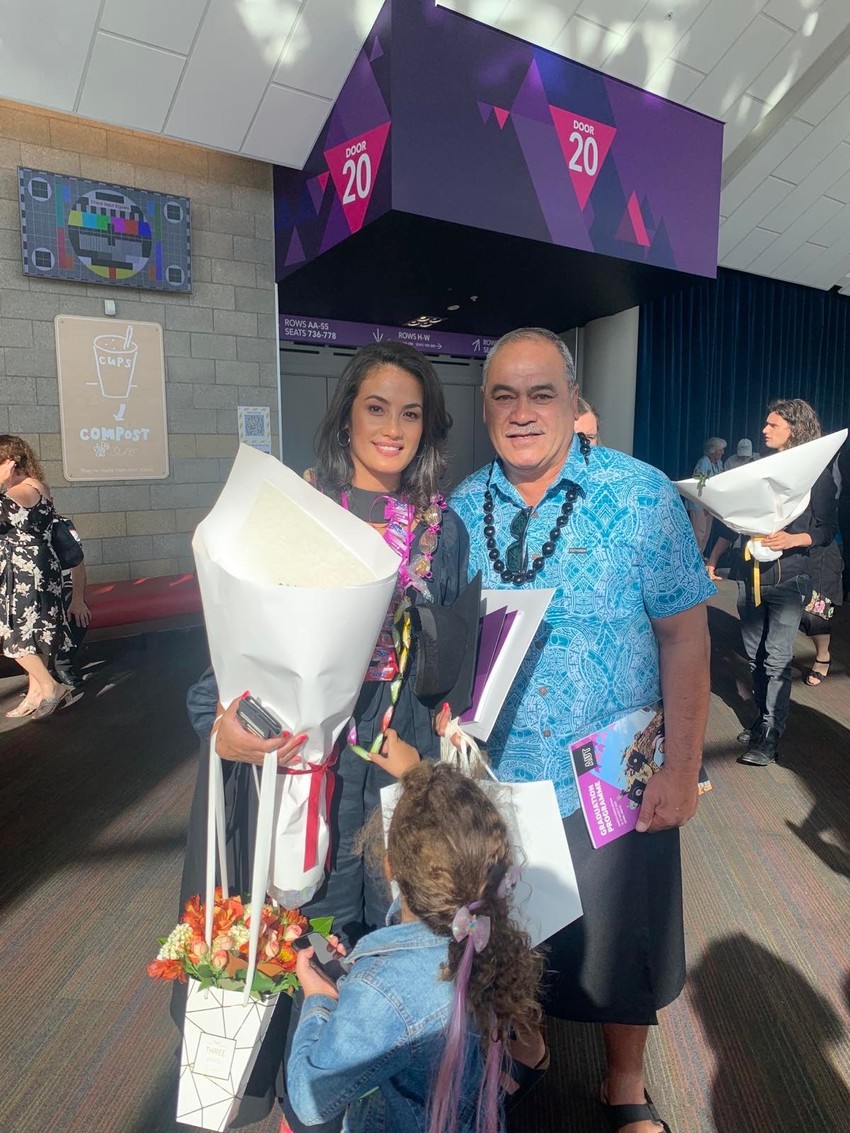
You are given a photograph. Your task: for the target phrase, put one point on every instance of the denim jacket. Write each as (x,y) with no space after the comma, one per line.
(377,1049)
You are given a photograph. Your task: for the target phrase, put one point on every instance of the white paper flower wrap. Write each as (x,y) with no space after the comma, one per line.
(301,648)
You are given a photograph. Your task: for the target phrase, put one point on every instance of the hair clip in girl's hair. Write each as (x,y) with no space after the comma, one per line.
(509,882)
(467,924)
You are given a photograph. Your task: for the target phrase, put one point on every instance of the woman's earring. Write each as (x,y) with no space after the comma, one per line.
(343,438)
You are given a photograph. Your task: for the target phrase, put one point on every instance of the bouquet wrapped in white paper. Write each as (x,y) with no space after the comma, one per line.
(765,496)
(295,590)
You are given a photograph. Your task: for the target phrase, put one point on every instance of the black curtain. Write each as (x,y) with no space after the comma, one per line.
(711,358)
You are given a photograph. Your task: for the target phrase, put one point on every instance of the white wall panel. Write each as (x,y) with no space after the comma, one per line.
(796,235)
(821,141)
(540,23)
(752,212)
(786,139)
(717,28)
(810,189)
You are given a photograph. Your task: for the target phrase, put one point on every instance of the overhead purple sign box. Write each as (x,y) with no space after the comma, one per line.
(443,117)
(338,332)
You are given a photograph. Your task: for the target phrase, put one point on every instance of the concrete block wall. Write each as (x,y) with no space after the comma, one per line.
(220,340)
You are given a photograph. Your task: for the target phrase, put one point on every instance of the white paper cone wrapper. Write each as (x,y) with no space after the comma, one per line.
(767,495)
(302,649)
(221,1038)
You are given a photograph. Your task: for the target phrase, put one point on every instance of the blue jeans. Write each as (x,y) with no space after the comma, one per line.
(768,631)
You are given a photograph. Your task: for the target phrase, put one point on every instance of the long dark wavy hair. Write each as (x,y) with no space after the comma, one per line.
(800,417)
(447,847)
(421,480)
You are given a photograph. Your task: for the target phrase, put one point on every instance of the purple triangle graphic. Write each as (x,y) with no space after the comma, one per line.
(359,106)
(336,228)
(646,210)
(501,116)
(531,100)
(295,255)
(484,109)
(377,51)
(317,190)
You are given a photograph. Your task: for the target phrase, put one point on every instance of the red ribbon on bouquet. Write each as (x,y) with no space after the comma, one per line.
(321,786)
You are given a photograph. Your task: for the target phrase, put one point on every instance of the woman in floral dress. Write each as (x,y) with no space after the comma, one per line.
(30,577)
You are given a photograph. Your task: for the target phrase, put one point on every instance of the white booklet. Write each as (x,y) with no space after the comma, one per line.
(509,621)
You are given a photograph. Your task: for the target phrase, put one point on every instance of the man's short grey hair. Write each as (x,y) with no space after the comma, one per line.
(534,334)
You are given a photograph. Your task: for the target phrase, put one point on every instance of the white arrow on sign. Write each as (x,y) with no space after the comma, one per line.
(377,335)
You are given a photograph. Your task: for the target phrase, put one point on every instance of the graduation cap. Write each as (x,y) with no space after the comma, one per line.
(446,649)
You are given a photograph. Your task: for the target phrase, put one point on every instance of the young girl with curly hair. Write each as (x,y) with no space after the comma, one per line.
(414,1037)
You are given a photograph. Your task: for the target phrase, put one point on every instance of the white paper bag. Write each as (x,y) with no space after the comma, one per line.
(546,897)
(221,1035)
(302,650)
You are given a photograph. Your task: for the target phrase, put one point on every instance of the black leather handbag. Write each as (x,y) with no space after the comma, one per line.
(66,543)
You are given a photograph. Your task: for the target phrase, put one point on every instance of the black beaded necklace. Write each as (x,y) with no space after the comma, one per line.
(539,561)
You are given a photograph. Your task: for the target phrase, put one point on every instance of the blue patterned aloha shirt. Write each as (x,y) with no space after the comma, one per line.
(626,555)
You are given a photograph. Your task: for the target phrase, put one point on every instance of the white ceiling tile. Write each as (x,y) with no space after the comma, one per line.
(322,48)
(792,13)
(799,261)
(286,126)
(743,254)
(834,229)
(762,163)
(540,23)
(804,227)
(752,212)
(829,269)
(821,141)
(740,120)
(487,11)
(586,42)
(674,81)
(803,50)
(235,55)
(840,189)
(614,14)
(164,23)
(129,83)
(828,95)
(813,186)
(43,50)
(717,29)
(759,43)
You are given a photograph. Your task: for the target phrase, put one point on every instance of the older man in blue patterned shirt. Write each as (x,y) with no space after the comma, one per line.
(626,627)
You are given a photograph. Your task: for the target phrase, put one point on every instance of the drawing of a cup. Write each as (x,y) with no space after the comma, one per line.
(115,358)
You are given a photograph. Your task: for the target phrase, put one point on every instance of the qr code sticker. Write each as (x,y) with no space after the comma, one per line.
(255,425)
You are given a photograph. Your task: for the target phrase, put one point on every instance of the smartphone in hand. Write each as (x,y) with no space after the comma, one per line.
(252,715)
(325,959)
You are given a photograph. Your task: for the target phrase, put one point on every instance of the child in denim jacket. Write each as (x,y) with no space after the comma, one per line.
(443,987)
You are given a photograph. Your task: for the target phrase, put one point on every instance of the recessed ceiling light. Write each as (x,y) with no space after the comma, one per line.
(425,321)
(454,307)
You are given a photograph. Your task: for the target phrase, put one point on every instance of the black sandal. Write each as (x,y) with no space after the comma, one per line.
(813,677)
(526,1078)
(619,1116)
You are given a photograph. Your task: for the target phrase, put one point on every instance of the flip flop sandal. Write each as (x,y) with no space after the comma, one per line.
(25,708)
(813,677)
(619,1116)
(526,1078)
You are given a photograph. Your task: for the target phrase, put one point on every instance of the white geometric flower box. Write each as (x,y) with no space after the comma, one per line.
(221,1038)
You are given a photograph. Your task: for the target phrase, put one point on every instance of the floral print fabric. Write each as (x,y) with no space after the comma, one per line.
(31,611)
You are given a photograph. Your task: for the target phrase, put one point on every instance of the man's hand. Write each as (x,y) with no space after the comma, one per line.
(233,741)
(669,800)
(79,612)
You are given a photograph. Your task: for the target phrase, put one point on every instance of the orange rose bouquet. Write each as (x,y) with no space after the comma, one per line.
(224,962)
